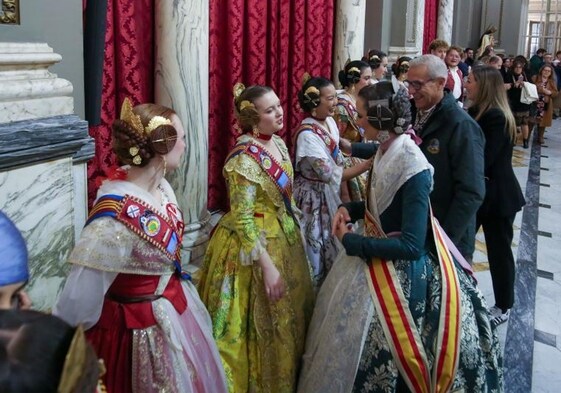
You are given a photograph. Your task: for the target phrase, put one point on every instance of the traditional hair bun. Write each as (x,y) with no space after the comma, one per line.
(163,138)
(130,146)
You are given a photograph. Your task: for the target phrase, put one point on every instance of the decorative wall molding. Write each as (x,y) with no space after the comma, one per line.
(9,12)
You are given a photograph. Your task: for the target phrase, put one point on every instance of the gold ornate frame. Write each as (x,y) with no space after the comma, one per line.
(9,13)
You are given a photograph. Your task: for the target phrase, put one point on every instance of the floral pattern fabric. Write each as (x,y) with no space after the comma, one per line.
(260,343)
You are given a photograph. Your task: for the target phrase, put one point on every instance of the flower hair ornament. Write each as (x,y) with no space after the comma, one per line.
(398,129)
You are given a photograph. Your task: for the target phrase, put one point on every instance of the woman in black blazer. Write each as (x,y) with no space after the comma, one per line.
(503,196)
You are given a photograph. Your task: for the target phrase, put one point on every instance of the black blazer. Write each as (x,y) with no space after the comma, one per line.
(503,196)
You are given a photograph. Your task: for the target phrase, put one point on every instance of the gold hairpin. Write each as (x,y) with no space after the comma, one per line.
(353,69)
(238,89)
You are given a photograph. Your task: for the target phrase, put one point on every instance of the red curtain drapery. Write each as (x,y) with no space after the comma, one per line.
(431,23)
(262,42)
(128,71)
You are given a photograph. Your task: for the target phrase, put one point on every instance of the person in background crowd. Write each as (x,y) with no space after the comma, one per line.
(141,313)
(468,57)
(255,278)
(455,81)
(495,62)
(507,63)
(353,78)
(438,48)
(514,81)
(14,271)
(557,68)
(536,61)
(547,91)
(503,196)
(547,59)
(378,61)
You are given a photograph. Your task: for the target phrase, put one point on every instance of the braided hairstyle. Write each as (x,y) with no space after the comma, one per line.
(309,96)
(352,72)
(247,115)
(386,109)
(128,139)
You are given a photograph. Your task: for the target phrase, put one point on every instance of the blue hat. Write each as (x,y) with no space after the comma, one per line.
(13,253)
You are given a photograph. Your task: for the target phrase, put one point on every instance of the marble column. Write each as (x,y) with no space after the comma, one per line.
(182,71)
(43,154)
(445,20)
(409,41)
(348,40)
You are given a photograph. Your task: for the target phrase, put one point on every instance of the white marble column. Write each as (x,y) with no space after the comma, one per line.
(410,44)
(445,20)
(348,39)
(182,46)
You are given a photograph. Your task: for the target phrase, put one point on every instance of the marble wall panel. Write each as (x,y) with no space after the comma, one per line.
(348,40)
(39,199)
(182,42)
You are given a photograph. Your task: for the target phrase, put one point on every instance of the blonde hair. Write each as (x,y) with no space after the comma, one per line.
(491,94)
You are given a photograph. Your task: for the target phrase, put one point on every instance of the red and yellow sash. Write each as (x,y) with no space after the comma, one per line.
(325,136)
(398,325)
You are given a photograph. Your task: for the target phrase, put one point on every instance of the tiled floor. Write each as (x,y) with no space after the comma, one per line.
(532,338)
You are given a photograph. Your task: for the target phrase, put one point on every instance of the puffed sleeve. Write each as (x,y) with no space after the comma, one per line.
(243,194)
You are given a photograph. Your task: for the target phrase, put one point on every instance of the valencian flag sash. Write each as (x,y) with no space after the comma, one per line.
(400,329)
(271,167)
(325,136)
(163,233)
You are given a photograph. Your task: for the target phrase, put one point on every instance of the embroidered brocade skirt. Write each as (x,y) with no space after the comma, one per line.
(161,344)
(261,343)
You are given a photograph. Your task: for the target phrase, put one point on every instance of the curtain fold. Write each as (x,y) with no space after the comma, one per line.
(262,42)
(431,23)
(128,71)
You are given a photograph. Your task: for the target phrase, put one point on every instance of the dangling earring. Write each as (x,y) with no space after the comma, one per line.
(165,166)
(256,133)
(314,113)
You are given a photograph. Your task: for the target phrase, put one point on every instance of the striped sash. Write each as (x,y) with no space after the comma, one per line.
(325,136)
(397,322)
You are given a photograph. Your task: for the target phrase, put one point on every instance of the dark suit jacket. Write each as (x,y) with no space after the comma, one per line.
(503,196)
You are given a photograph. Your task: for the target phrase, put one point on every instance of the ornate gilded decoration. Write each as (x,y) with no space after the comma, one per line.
(9,13)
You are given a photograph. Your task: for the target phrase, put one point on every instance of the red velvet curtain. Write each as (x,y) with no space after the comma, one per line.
(128,71)
(262,42)
(431,22)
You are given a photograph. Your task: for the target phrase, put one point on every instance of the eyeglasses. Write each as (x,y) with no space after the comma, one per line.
(417,85)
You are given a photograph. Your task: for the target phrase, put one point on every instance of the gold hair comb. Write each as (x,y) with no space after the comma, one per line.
(246,104)
(155,122)
(313,90)
(305,78)
(238,89)
(353,69)
(128,116)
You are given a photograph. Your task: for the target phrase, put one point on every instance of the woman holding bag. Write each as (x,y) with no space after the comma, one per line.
(547,91)
(514,83)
